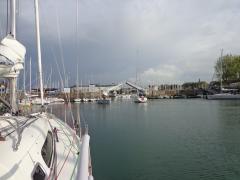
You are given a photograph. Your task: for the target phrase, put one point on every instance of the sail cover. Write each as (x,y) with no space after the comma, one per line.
(12,55)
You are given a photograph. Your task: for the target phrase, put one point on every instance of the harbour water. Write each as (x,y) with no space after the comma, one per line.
(163,139)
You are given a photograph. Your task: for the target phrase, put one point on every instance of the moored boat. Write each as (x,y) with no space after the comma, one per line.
(224,96)
(140,99)
(104,101)
(37,101)
(55,100)
(77,100)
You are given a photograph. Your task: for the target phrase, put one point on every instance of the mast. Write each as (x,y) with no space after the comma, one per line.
(13,80)
(77,83)
(24,79)
(51,79)
(78,106)
(12,88)
(39,50)
(221,70)
(81,86)
(13,19)
(30,77)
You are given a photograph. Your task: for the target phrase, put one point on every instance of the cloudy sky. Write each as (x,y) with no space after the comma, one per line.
(164,41)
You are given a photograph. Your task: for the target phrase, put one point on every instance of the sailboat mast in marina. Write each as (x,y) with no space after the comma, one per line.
(30,77)
(39,55)
(221,61)
(37,146)
(77,99)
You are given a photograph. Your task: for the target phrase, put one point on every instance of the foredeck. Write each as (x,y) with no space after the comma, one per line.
(22,140)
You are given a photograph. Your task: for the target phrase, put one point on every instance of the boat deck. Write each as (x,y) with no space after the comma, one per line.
(21,142)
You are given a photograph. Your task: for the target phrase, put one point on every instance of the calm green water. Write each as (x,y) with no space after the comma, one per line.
(164,139)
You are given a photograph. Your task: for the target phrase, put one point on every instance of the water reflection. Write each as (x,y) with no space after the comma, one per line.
(163,139)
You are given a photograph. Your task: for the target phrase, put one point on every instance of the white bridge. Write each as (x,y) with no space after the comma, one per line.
(107,90)
(140,89)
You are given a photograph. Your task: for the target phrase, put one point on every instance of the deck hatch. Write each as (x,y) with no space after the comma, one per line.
(38,173)
(47,149)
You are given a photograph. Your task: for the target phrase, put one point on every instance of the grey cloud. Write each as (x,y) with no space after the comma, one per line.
(116,37)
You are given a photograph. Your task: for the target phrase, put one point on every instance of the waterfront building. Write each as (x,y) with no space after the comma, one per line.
(163,90)
(195,85)
(91,90)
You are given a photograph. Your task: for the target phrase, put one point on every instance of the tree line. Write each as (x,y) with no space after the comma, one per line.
(228,68)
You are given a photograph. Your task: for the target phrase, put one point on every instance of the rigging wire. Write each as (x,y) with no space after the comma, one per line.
(63,78)
(78,120)
(60,75)
(48,80)
(58,69)
(62,82)
(7,23)
(64,72)
(60,47)
(82,115)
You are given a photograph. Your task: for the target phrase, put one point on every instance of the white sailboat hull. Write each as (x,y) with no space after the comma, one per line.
(224,96)
(22,151)
(140,99)
(37,101)
(77,100)
(55,100)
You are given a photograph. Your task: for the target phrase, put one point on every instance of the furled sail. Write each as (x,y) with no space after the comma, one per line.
(12,55)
